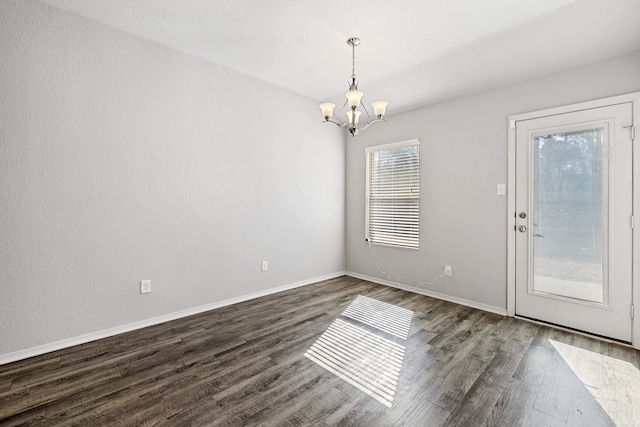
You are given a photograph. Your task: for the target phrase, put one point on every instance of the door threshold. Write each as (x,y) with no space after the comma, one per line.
(575,331)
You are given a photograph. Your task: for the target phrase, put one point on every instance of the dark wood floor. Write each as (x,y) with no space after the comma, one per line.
(245,365)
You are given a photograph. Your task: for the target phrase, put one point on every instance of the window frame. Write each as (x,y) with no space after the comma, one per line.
(369,151)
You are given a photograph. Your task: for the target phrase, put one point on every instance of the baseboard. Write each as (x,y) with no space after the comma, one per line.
(438,295)
(82,339)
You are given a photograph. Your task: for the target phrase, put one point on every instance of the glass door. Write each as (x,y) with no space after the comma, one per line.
(573,212)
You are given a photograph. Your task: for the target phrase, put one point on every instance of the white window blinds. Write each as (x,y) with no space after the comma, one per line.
(393,194)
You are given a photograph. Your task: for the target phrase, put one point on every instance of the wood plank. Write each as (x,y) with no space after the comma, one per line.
(423,414)
(27,417)
(40,396)
(252,405)
(463,371)
(514,405)
(309,405)
(75,408)
(556,388)
(533,366)
(540,419)
(585,411)
(476,406)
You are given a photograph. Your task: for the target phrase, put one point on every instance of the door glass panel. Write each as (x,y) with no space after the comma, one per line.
(570,215)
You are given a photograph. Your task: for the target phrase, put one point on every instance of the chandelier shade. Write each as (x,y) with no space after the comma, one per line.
(354,102)
(353,116)
(353,98)
(327,110)
(379,108)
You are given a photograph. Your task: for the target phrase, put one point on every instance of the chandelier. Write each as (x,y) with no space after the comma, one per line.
(354,96)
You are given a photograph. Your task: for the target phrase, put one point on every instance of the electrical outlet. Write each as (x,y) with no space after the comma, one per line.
(447,270)
(265,266)
(145,286)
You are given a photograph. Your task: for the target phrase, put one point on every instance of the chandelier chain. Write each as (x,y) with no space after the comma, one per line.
(353,61)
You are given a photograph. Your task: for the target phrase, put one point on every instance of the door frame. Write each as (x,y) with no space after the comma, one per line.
(634,98)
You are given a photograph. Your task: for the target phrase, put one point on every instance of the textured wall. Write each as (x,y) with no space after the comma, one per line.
(123,160)
(463,156)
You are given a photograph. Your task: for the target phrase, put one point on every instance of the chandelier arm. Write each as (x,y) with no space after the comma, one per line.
(370,123)
(343,105)
(365,110)
(340,125)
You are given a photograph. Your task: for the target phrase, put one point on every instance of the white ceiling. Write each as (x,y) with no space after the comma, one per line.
(413,52)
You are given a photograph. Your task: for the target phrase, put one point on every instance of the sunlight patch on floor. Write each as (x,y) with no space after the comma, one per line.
(380,315)
(363,359)
(615,384)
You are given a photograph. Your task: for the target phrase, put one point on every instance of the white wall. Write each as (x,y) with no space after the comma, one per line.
(463,156)
(123,160)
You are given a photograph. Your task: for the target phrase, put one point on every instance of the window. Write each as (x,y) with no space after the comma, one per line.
(393,194)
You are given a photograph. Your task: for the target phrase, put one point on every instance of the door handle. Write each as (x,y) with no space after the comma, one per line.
(522,215)
(522,228)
